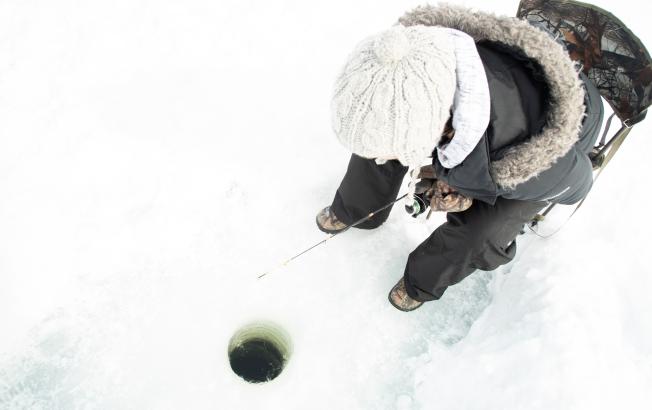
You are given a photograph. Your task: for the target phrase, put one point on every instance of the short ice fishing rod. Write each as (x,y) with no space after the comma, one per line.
(411,210)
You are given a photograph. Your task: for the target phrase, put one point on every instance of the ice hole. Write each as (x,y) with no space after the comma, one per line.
(259,352)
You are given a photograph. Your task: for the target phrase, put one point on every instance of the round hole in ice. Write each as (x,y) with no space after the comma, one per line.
(259,351)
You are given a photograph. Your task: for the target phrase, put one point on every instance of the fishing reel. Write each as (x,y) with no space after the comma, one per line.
(418,206)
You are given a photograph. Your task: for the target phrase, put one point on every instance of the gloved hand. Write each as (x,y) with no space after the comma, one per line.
(442,197)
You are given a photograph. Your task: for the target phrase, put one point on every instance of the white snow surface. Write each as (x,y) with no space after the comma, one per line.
(157,156)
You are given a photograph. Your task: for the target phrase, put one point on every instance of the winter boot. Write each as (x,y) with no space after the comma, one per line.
(400,299)
(328,222)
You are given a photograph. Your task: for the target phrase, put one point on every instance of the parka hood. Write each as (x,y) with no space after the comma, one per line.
(529,158)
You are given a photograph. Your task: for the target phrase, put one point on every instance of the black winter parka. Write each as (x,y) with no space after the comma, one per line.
(544,118)
(520,100)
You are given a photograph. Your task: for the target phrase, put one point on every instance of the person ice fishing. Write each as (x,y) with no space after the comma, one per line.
(497,108)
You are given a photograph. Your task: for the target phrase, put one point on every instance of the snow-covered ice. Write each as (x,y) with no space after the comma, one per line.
(157,156)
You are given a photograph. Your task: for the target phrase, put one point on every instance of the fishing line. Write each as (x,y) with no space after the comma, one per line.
(332,235)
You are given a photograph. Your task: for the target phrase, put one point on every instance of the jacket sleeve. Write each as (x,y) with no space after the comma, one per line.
(568,181)
(472,177)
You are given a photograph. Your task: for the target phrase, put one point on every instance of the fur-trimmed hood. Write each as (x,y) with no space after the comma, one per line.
(528,159)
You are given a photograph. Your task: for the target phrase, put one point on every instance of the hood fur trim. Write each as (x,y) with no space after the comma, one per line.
(566,111)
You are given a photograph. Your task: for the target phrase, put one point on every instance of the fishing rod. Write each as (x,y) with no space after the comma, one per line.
(332,235)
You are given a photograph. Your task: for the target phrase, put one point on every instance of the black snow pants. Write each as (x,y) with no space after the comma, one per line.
(482,237)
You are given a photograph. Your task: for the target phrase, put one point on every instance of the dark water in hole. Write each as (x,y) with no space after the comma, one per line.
(256,361)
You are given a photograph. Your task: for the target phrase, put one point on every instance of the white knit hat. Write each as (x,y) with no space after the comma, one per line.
(395,93)
(394,96)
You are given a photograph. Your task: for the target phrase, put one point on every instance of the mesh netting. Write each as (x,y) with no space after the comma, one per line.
(609,53)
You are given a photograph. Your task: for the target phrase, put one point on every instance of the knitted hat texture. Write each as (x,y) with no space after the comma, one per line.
(395,93)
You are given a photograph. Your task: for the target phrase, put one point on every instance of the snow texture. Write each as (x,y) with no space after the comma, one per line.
(156,156)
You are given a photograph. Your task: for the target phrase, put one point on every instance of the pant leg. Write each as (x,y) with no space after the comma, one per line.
(482,237)
(366,187)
